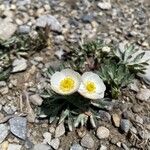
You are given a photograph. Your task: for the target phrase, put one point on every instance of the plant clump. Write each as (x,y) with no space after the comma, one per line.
(95,74)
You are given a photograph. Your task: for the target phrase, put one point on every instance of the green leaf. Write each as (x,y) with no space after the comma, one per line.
(139,57)
(64,115)
(92,121)
(70,123)
(5,74)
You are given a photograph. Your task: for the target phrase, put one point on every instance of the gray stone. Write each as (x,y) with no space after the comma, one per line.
(24,29)
(103,147)
(49,20)
(102,132)
(104,5)
(14,147)
(134,86)
(125,125)
(76,147)
(144,134)
(143,95)
(124,146)
(55,143)
(104,116)
(7,29)
(59,53)
(60,130)
(47,137)
(87,18)
(137,108)
(41,147)
(23,2)
(28,144)
(36,100)
(3,132)
(2,84)
(87,141)
(138,119)
(19,65)
(9,109)
(18,126)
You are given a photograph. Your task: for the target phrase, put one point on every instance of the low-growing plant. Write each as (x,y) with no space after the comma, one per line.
(116,76)
(26,42)
(131,58)
(88,55)
(73,99)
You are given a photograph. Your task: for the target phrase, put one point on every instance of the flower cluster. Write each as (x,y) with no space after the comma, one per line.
(67,82)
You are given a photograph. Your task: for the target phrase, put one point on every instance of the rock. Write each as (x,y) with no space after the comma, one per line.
(18,126)
(103,147)
(116,120)
(41,147)
(124,146)
(36,100)
(144,134)
(19,65)
(3,132)
(106,49)
(143,95)
(125,125)
(76,147)
(138,119)
(136,108)
(104,116)
(55,143)
(14,147)
(102,132)
(4,90)
(7,29)
(52,129)
(49,20)
(28,144)
(59,54)
(134,86)
(104,5)
(2,84)
(60,130)
(87,141)
(24,29)
(59,39)
(87,18)
(38,59)
(23,2)
(9,109)
(47,137)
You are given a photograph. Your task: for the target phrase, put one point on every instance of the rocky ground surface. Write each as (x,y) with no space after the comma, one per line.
(126,126)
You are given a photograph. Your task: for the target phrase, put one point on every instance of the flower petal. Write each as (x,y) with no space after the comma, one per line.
(94,78)
(59,76)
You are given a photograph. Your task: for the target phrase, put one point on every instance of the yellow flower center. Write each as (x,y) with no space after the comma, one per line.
(90,87)
(67,84)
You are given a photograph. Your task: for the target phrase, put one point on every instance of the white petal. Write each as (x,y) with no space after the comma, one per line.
(71,72)
(100,87)
(55,80)
(91,96)
(59,76)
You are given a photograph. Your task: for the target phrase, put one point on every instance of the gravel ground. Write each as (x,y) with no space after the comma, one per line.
(126,126)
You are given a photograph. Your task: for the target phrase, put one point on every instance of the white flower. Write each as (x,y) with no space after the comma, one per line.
(92,86)
(65,82)
(106,49)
